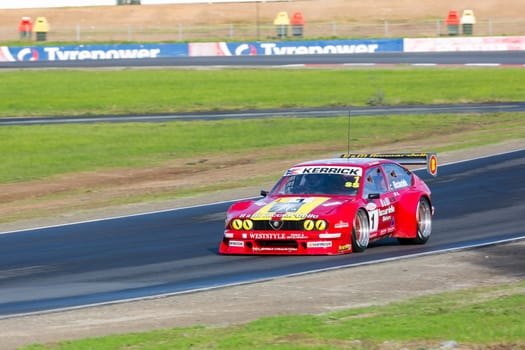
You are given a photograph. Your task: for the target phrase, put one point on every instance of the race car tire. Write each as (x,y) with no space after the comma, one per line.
(423,223)
(360,231)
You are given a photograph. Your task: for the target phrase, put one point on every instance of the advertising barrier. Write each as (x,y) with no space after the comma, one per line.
(134,51)
(92,52)
(271,48)
(504,43)
(296,47)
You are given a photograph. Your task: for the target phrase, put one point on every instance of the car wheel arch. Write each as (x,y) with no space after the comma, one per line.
(419,237)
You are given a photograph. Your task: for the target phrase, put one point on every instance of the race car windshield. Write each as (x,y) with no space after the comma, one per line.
(323,184)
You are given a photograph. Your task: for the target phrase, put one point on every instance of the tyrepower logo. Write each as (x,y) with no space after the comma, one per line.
(27,54)
(58,54)
(274,49)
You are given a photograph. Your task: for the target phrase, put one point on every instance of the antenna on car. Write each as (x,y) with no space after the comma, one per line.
(348,133)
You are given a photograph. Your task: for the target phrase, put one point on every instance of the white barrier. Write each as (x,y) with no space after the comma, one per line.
(505,43)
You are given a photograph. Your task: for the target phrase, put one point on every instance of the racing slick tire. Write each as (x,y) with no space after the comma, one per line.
(360,231)
(423,223)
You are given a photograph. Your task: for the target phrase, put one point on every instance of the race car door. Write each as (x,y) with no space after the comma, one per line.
(399,181)
(381,202)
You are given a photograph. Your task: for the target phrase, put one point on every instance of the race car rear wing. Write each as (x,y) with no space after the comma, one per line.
(429,159)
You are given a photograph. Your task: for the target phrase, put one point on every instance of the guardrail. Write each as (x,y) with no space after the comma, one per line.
(250,32)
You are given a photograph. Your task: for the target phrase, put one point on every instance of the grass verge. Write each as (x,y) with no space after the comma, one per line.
(135,91)
(35,152)
(484,318)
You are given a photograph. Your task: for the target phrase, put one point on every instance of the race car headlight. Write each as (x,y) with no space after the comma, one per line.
(319,225)
(247,224)
(237,224)
(240,224)
(309,225)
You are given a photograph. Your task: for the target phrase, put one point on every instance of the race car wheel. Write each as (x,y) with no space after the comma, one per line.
(423,222)
(360,232)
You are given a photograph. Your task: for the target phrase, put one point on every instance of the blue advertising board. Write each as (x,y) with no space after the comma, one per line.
(92,52)
(146,51)
(316,47)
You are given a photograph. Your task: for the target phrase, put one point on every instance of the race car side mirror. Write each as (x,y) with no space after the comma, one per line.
(374,196)
(264,193)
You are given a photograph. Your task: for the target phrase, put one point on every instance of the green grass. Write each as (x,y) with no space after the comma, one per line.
(33,152)
(134,91)
(478,318)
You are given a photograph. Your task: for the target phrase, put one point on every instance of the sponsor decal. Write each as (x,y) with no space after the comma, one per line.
(92,52)
(27,54)
(399,184)
(291,208)
(344,247)
(332,204)
(5,54)
(60,54)
(386,155)
(273,249)
(432,165)
(236,244)
(389,210)
(325,244)
(511,43)
(246,49)
(274,49)
(325,170)
(341,224)
(208,49)
(268,236)
(295,47)
(296,236)
(330,235)
(371,206)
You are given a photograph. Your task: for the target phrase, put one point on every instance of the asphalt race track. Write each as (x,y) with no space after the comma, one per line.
(492,107)
(477,202)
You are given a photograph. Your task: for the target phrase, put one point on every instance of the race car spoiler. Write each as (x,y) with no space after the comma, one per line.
(429,159)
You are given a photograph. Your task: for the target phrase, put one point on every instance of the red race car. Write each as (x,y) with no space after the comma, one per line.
(335,206)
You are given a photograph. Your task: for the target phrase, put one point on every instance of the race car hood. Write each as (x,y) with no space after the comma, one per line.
(292,208)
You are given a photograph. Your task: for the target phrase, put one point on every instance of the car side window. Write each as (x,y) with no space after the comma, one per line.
(374,182)
(398,177)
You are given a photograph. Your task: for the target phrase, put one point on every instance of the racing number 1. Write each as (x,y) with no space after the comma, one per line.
(374,220)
